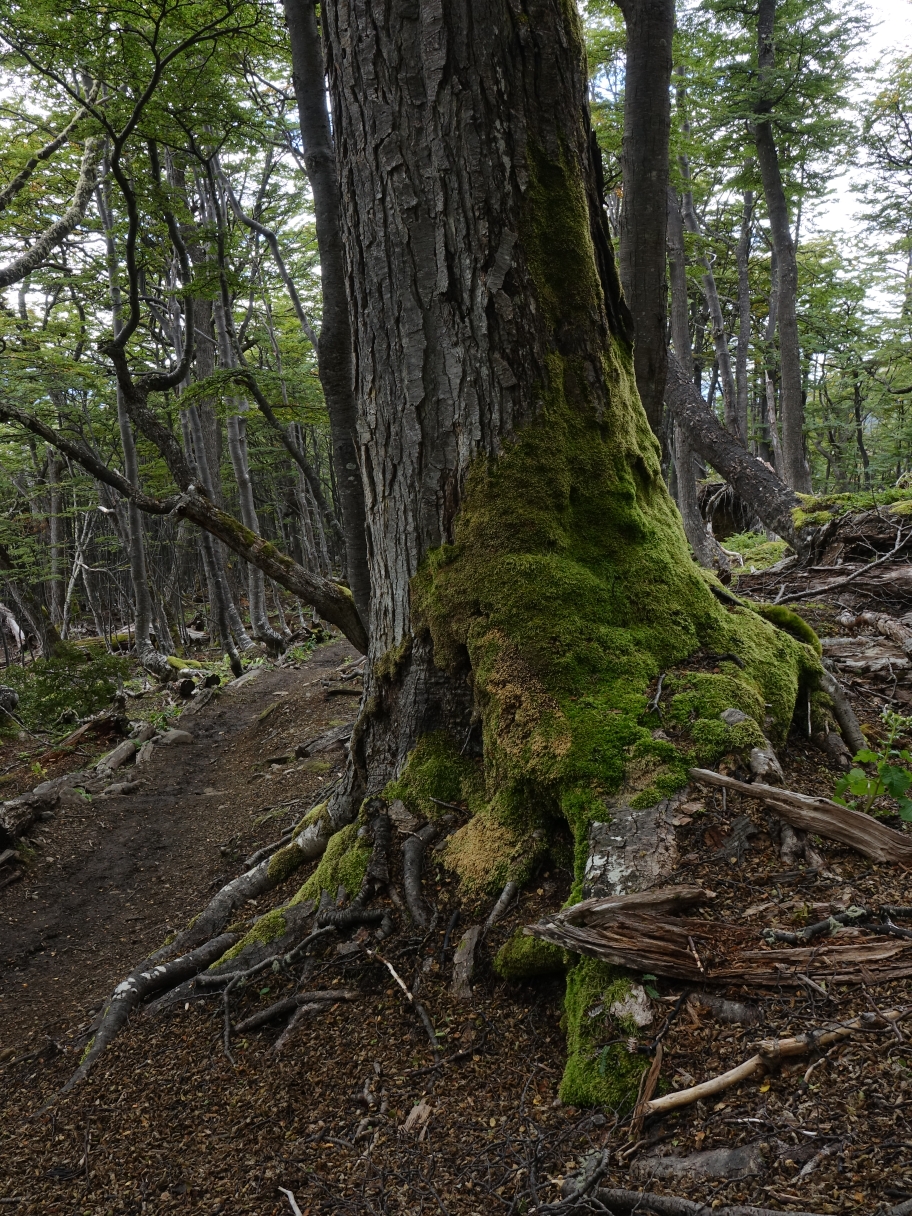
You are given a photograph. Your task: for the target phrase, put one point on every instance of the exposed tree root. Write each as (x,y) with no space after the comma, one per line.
(622,1202)
(499,910)
(281,1009)
(147,979)
(412,862)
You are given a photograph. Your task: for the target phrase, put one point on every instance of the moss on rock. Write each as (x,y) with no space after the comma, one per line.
(522,958)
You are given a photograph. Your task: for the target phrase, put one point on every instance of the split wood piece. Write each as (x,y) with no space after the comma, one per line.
(889,626)
(499,910)
(412,861)
(619,931)
(623,1202)
(823,817)
(647,1088)
(338,736)
(849,725)
(664,899)
(767,1058)
(280,1008)
(464,964)
(144,981)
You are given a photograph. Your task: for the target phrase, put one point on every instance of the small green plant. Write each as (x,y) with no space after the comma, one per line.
(888,777)
(73,683)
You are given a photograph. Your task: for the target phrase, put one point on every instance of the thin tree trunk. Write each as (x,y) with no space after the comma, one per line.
(742,261)
(55,538)
(795,468)
(647,123)
(334,348)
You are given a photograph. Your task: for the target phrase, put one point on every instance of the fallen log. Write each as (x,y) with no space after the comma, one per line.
(822,816)
(768,1055)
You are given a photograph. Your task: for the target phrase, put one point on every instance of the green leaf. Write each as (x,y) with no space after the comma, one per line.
(866,756)
(858,782)
(905,809)
(895,780)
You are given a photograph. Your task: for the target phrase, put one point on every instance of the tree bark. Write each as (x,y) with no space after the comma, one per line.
(686,482)
(334,346)
(751,479)
(647,123)
(795,470)
(742,261)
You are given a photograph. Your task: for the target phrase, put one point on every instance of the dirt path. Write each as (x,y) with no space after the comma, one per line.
(111,880)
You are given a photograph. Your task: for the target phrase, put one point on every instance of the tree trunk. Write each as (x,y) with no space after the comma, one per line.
(334,348)
(530,575)
(706,550)
(55,538)
(795,468)
(647,123)
(742,261)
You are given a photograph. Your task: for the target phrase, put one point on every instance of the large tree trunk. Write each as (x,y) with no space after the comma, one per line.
(742,261)
(529,572)
(647,122)
(795,468)
(334,346)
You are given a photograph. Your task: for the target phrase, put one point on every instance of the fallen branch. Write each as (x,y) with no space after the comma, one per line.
(822,816)
(416,1005)
(771,1051)
(500,908)
(622,1202)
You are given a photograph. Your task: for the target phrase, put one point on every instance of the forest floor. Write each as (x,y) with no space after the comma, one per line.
(354,1116)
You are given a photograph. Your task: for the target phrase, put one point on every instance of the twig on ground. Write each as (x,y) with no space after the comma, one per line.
(416,1005)
(289,1195)
(771,1051)
(499,910)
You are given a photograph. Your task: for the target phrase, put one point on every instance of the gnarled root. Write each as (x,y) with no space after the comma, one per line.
(412,861)
(144,981)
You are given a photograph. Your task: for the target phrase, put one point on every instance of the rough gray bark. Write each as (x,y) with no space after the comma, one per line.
(641,254)
(742,261)
(334,346)
(686,483)
(795,470)
(55,538)
(751,479)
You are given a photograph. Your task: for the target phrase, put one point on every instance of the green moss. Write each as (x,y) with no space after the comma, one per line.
(285,862)
(524,958)
(594,1076)
(314,815)
(816,510)
(268,928)
(789,620)
(758,552)
(435,769)
(568,588)
(388,666)
(343,864)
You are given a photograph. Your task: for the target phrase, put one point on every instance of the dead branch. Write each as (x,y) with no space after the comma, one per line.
(822,816)
(464,964)
(623,1202)
(849,726)
(416,1005)
(770,1052)
(500,908)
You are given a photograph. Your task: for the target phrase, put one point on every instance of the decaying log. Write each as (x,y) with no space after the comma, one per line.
(770,1052)
(500,908)
(861,832)
(629,931)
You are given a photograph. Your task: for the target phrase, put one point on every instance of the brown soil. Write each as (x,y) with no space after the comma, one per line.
(165,1123)
(109,882)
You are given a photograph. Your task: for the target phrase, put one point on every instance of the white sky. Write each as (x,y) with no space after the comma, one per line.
(891,34)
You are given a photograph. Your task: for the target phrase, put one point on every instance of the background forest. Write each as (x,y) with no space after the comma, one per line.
(153,156)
